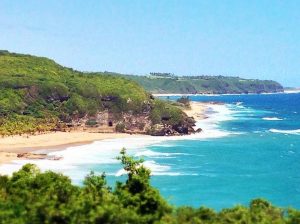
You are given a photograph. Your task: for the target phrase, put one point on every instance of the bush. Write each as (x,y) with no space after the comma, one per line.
(184,100)
(32,196)
(91,122)
(120,127)
(164,112)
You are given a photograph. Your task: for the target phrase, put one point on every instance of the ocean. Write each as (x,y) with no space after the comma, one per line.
(250,148)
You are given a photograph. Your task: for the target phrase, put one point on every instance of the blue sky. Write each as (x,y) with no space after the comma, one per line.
(251,39)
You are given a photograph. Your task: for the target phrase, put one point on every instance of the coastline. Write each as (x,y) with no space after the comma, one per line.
(211,94)
(11,146)
(197,110)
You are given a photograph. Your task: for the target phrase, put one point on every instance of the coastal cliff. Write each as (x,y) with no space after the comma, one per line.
(38,95)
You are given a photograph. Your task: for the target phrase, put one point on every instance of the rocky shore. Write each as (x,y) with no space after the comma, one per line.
(30,146)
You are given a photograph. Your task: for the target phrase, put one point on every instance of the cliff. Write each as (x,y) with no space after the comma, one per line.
(39,95)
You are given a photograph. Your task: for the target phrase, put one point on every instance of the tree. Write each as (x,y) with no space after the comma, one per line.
(137,193)
(31,196)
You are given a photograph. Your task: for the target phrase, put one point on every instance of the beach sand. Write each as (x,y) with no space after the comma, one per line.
(197,110)
(11,146)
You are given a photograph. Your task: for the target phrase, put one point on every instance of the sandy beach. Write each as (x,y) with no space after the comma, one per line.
(11,146)
(197,110)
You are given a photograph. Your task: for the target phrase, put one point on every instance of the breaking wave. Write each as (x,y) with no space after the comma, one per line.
(291,132)
(272,119)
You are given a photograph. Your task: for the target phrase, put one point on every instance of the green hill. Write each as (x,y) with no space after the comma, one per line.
(168,83)
(37,94)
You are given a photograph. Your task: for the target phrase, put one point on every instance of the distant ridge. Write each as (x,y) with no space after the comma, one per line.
(292,89)
(204,84)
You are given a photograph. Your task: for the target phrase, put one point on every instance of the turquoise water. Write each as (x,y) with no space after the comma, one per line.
(250,148)
(258,156)
(261,160)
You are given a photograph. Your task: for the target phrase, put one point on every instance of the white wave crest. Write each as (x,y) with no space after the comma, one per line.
(173,174)
(272,119)
(156,170)
(120,172)
(150,153)
(291,132)
(155,167)
(150,164)
(77,158)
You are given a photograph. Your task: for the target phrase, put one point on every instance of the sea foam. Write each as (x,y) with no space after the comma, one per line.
(150,153)
(157,170)
(272,119)
(77,158)
(291,132)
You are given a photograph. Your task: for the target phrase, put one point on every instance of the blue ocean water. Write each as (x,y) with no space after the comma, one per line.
(250,148)
(262,158)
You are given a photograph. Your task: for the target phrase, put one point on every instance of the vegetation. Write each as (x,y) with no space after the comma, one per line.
(165,113)
(30,196)
(91,122)
(185,101)
(120,127)
(37,94)
(169,83)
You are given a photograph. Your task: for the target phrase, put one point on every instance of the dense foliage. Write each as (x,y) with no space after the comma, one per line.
(30,196)
(168,83)
(165,113)
(37,94)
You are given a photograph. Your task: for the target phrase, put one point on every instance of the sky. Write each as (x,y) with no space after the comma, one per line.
(252,39)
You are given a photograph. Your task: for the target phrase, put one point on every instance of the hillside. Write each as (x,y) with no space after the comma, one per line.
(39,95)
(168,83)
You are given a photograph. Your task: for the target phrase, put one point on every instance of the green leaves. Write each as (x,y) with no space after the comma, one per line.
(32,196)
(39,95)
(164,112)
(38,88)
(205,84)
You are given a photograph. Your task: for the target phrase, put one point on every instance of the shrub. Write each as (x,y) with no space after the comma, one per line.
(184,100)
(91,122)
(32,196)
(164,112)
(120,127)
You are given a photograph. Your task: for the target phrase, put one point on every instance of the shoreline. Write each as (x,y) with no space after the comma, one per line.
(225,94)
(197,110)
(11,146)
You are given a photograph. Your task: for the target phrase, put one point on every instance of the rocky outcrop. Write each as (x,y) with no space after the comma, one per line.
(105,121)
(29,155)
(184,128)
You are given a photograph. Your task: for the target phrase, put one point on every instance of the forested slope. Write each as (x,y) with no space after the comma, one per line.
(38,94)
(168,83)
